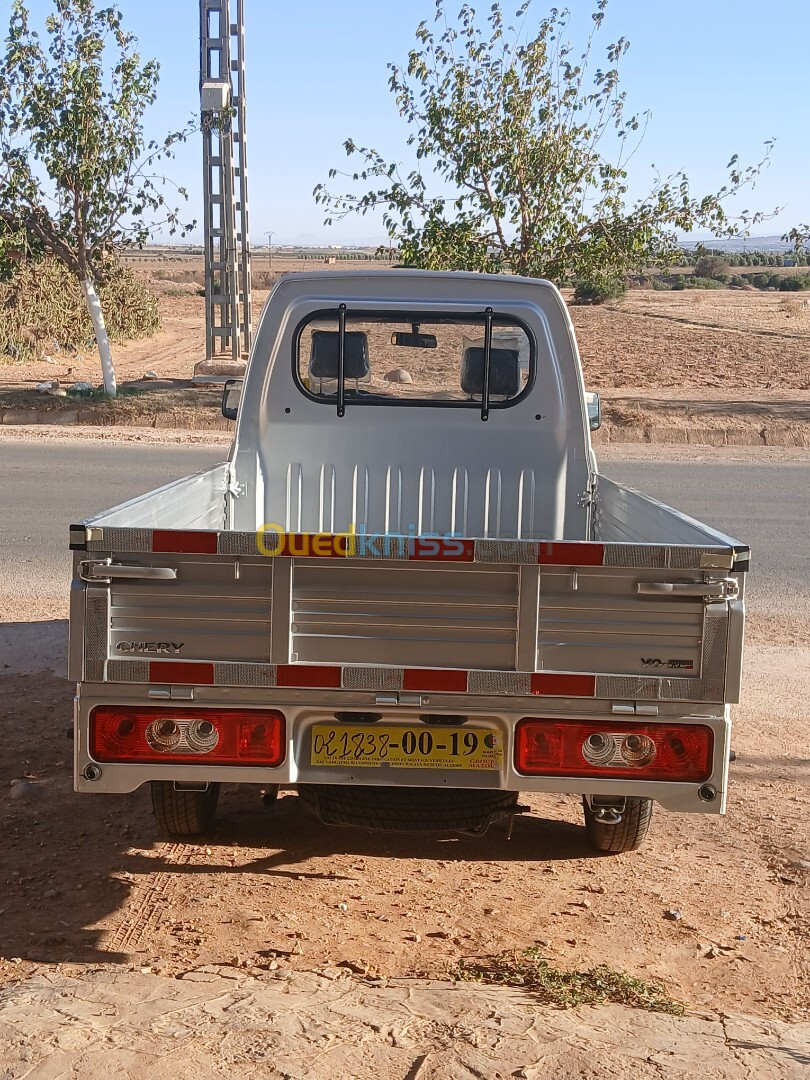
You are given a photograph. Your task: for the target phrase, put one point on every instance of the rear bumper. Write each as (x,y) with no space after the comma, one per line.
(303,709)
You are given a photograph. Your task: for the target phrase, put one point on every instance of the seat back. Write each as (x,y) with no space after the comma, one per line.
(325,356)
(504,372)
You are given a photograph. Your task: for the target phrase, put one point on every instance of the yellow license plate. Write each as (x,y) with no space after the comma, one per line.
(417,747)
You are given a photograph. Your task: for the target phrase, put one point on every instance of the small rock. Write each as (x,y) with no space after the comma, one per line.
(45,387)
(25,791)
(150,375)
(57,391)
(673,914)
(788,880)
(343,907)
(49,894)
(711,953)
(399,375)
(581,903)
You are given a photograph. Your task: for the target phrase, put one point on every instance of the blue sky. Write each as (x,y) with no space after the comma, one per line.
(720,77)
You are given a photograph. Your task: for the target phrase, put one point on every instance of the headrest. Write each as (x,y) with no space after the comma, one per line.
(504,372)
(323,359)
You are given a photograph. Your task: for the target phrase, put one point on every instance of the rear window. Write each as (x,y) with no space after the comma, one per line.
(404,359)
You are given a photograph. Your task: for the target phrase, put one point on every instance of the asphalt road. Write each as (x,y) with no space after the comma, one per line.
(46,486)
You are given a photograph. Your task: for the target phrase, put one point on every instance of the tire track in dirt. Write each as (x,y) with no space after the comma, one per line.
(698,324)
(140,916)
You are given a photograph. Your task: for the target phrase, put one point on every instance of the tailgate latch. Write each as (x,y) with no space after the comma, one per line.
(711,590)
(105,570)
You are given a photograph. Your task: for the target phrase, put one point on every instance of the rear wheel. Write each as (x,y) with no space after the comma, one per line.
(625,835)
(183,813)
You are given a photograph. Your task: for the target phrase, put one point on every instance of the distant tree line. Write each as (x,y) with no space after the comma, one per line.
(747,258)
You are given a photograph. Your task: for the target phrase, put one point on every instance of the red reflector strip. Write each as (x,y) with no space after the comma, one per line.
(308,675)
(176,671)
(442,549)
(184,543)
(564,685)
(428,679)
(582,554)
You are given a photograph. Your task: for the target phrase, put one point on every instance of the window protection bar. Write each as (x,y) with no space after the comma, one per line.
(341,389)
(487,358)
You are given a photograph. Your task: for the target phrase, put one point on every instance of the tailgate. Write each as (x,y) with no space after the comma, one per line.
(489,617)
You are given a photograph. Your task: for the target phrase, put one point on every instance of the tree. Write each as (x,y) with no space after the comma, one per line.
(76,174)
(712,266)
(522,152)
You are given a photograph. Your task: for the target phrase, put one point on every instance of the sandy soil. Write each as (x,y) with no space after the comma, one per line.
(272,890)
(725,339)
(222,1022)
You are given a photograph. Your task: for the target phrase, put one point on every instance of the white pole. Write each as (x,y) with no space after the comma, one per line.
(103,342)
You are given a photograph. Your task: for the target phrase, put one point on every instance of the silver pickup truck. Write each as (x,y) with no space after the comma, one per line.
(409,592)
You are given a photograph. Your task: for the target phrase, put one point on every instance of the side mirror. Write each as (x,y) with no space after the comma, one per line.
(594,406)
(231,397)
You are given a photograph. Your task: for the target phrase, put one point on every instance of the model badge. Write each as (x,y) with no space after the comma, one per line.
(657,662)
(153,648)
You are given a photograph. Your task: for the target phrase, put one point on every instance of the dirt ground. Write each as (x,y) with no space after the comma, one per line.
(272,890)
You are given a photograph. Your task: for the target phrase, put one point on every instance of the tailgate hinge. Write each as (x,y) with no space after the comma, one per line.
(400,699)
(634,708)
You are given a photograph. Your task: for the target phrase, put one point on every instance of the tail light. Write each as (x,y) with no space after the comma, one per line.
(615,752)
(187,736)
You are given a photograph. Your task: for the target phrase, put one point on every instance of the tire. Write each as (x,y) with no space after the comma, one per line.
(627,835)
(410,810)
(183,813)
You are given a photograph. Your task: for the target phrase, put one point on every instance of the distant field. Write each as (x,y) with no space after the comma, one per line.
(724,340)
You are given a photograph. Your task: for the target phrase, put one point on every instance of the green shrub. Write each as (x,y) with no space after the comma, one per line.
(737,281)
(712,266)
(660,285)
(599,290)
(760,280)
(695,282)
(774,281)
(794,282)
(42,306)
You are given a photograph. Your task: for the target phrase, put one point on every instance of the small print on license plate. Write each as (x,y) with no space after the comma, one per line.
(417,747)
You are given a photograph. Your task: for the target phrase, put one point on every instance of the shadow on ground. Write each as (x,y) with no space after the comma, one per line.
(71,862)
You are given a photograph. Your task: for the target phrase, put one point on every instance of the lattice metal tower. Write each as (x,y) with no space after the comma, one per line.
(225,188)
